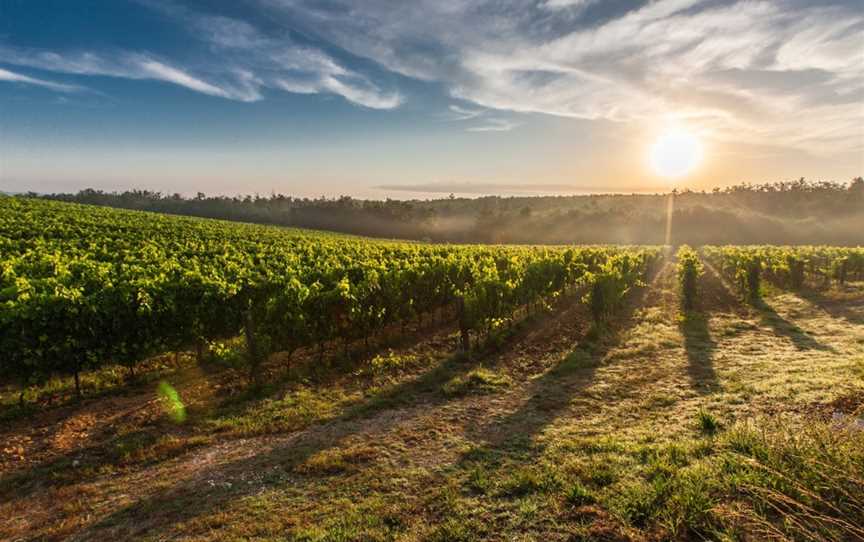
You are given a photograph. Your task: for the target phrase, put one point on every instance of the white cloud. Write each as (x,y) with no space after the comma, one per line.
(248,62)
(785,71)
(666,58)
(568,4)
(297,86)
(128,66)
(277,62)
(494,125)
(363,94)
(6,75)
(457,113)
(159,71)
(359,92)
(226,32)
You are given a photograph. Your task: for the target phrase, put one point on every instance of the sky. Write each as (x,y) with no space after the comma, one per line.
(416,99)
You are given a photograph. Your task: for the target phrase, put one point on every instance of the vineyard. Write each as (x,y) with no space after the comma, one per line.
(788,268)
(324,387)
(104,286)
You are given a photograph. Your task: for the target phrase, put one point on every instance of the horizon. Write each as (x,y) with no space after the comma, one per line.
(375,102)
(429,193)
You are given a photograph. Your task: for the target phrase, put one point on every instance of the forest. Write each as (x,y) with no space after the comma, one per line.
(793,212)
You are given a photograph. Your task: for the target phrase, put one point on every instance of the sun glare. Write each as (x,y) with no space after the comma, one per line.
(675,154)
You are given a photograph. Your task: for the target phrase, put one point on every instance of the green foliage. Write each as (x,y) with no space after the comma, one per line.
(82,286)
(787,267)
(791,482)
(527,480)
(390,362)
(741,265)
(610,280)
(689,269)
(791,211)
(455,530)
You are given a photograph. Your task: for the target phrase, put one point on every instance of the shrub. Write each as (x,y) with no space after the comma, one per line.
(689,270)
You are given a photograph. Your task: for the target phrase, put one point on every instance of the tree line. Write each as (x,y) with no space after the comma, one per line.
(788,212)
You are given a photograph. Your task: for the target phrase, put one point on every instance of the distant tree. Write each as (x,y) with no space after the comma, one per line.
(856,188)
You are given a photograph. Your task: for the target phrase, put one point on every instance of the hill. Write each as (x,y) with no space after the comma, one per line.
(797,212)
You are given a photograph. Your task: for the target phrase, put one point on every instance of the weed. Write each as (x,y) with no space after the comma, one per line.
(707,423)
(390,362)
(578,495)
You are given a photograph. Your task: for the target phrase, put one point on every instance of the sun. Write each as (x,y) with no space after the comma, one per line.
(675,154)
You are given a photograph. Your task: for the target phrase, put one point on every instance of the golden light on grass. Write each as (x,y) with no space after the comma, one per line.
(676,153)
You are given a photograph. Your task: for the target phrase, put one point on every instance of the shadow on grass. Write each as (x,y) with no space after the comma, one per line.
(834,307)
(114,453)
(107,451)
(506,462)
(784,328)
(768,316)
(58,398)
(700,347)
(231,398)
(197,496)
(305,367)
(551,393)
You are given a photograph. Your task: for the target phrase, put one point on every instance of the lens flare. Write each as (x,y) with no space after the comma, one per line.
(174,407)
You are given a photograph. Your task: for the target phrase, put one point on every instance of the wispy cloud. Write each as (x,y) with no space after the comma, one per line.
(703,60)
(6,75)
(784,71)
(287,65)
(457,113)
(246,61)
(360,92)
(494,125)
(364,94)
(278,62)
(125,65)
(162,72)
(569,4)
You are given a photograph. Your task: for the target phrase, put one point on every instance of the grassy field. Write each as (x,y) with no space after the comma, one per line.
(734,423)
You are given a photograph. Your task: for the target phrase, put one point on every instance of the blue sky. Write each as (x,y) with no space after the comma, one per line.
(340,97)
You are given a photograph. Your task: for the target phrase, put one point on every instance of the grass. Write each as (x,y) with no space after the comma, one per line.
(294,410)
(578,495)
(708,423)
(60,391)
(716,429)
(337,461)
(477,380)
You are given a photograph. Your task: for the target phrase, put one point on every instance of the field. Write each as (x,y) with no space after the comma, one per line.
(185,379)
